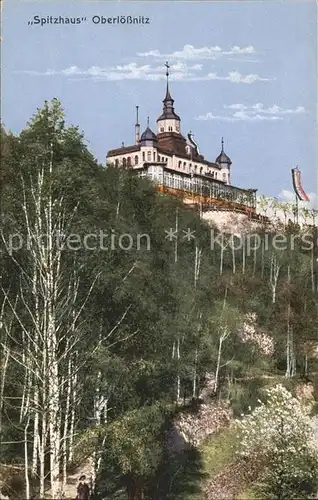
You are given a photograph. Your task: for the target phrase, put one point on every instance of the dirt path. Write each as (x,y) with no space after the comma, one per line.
(230,481)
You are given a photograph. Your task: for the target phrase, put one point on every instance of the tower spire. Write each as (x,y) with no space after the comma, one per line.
(137,127)
(147,121)
(137,108)
(168,112)
(167,73)
(222,144)
(168,96)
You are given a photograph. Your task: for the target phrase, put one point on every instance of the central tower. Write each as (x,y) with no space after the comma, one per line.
(168,121)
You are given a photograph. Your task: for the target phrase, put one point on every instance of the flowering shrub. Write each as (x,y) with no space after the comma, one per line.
(249,333)
(280,436)
(194,428)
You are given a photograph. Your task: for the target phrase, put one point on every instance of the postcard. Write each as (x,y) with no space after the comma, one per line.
(158,249)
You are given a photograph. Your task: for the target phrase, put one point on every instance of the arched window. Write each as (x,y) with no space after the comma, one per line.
(116,162)
(136,160)
(184,165)
(149,156)
(129,161)
(179,164)
(215,175)
(124,162)
(158,157)
(201,169)
(143,156)
(154,156)
(170,129)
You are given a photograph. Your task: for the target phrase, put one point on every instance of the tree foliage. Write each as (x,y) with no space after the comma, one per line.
(124,321)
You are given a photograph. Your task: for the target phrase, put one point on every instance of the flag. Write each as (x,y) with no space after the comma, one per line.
(300,193)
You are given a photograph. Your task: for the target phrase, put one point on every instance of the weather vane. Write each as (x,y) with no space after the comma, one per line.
(167,66)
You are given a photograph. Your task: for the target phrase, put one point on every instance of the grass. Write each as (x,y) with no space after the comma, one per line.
(246,495)
(218,451)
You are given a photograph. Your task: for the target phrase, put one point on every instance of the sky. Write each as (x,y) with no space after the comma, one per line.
(242,70)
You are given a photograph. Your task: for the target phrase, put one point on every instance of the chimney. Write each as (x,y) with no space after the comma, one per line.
(137,128)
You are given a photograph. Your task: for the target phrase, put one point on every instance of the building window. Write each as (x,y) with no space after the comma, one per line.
(143,156)
(116,162)
(170,129)
(136,160)
(179,164)
(184,165)
(162,129)
(224,177)
(124,162)
(129,161)
(149,156)
(154,156)
(215,175)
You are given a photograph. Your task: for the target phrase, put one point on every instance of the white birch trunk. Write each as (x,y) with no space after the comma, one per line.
(26,460)
(178,375)
(194,383)
(274,273)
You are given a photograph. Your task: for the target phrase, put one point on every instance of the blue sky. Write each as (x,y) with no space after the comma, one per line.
(242,70)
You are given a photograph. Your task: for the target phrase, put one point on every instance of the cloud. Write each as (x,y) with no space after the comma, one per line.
(236,77)
(132,71)
(256,112)
(259,107)
(189,52)
(288,197)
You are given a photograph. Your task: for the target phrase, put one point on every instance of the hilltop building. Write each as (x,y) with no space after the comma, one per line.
(176,165)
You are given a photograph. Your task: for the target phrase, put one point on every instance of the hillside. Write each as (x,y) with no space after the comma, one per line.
(134,352)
